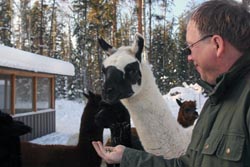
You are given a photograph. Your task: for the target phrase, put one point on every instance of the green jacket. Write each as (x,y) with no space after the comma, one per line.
(222,132)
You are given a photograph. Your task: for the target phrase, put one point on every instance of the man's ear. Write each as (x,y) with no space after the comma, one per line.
(219,44)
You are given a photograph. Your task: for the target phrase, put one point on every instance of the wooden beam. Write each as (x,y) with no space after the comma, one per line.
(13,94)
(34,94)
(24,73)
(6,95)
(52,90)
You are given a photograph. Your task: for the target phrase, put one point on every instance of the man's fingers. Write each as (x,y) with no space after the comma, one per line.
(103,152)
(97,147)
(101,148)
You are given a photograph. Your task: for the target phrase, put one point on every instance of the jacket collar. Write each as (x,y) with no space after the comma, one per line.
(228,80)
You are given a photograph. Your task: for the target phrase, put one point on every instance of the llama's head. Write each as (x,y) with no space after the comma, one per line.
(90,110)
(111,115)
(122,70)
(187,113)
(11,127)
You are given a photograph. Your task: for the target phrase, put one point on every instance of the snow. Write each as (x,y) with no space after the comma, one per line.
(18,59)
(68,114)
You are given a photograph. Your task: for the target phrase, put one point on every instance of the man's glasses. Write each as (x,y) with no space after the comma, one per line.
(187,49)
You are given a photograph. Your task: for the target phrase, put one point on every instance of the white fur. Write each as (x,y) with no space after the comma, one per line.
(158,129)
(118,60)
(123,56)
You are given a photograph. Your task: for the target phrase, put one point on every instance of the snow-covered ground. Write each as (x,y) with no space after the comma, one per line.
(68,114)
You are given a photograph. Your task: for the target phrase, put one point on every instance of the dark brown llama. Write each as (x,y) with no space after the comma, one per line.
(187,113)
(81,155)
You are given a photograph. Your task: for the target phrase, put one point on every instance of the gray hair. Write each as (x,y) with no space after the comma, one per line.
(227,18)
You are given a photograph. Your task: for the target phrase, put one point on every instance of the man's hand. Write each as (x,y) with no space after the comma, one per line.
(112,155)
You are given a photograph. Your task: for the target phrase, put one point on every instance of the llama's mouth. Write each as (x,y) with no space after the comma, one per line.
(110,100)
(196,115)
(129,94)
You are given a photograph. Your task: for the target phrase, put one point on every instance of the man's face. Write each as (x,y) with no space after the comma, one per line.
(202,54)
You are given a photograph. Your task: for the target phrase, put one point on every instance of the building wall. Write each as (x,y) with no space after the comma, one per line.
(42,123)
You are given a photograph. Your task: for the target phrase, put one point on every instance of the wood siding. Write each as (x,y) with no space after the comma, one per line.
(41,122)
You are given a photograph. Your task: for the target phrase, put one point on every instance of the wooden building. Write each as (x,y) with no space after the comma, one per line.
(27,88)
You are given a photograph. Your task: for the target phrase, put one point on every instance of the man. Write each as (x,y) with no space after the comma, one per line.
(218,37)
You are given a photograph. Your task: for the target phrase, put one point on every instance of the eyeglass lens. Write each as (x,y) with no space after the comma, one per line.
(187,50)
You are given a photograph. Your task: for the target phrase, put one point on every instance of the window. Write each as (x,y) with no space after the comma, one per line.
(43,93)
(24,92)
(5,93)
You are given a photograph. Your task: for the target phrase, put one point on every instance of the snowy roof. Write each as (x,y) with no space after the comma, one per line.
(18,59)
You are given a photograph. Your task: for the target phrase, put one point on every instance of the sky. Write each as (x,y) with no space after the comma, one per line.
(181,5)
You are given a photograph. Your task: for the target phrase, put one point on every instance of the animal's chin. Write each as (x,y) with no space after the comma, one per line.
(195,116)
(111,100)
(116,99)
(128,95)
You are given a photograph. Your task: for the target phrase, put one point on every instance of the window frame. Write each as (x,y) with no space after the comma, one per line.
(34,76)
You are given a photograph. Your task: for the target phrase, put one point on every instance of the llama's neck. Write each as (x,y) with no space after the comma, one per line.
(88,130)
(121,134)
(158,129)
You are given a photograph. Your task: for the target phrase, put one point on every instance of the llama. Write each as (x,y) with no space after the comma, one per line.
(10,130)
(129,79)
(187,113)
(81,155)
(116,117)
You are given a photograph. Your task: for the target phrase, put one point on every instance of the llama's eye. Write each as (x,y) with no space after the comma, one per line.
(132,72)
(190,110)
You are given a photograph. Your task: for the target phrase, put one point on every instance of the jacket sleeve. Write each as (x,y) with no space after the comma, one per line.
(137,158)
(248,122)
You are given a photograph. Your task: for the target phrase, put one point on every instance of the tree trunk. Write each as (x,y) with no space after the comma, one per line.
(114,23)
(139,15)
(41,30)
(52,33)
(150,31)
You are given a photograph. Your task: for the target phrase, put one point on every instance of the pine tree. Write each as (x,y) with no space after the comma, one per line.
(6,14)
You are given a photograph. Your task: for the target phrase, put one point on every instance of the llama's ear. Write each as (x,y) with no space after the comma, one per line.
(106,47)
(86,95)
(138,45)
(179,102)
(5,119)
(18,128)
(91,94)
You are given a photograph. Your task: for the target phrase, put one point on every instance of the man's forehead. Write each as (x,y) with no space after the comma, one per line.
(192,32)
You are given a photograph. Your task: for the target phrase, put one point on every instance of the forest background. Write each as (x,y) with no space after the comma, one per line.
(68,30)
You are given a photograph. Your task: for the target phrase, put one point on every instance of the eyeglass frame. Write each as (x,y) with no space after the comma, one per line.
(188,50)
